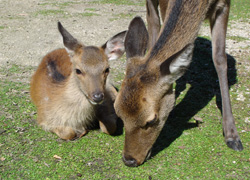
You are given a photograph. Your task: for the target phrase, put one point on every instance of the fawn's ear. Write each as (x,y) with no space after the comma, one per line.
(136,40)
(71,44)
(114,47)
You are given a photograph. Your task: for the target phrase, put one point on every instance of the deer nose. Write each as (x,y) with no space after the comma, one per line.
(129,161)
(98,97)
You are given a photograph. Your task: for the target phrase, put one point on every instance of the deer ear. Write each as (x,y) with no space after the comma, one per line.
(136,40)
(71,44)
(114,47)
(175,66)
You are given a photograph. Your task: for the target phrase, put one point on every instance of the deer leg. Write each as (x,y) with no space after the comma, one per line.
(106,113)
(108,126)
(107,116)
(153,20)
(218,22)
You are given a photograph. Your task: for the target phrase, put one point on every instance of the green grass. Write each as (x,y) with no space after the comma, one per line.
(90,9)
(61,9)
(14,68)
(240,10)
(48,12)
(121,2)
(182,151)
(237,38)
(59,4)
(122,16)
(88,14)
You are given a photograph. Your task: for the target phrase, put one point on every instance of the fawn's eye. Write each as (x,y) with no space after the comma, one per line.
(106,70)
(78,71)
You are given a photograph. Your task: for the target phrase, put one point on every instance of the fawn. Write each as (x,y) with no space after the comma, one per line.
(71,89)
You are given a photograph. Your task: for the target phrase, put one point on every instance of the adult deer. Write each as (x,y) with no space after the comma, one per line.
(70,90)
(146,96)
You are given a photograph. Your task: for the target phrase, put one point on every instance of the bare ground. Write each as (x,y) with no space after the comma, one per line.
(28,28)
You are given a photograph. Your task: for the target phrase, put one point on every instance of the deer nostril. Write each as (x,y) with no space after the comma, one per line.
(129,161)
(98,97)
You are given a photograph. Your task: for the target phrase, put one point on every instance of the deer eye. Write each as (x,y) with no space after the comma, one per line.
(106,70)
(151,122)
(78,71)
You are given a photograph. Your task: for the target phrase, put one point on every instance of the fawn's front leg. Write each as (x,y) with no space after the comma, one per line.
(106,112)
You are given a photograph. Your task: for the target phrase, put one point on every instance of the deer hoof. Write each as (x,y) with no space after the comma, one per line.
(235,145)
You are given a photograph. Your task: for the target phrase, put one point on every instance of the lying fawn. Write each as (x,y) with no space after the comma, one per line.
(146,96)
(70,87)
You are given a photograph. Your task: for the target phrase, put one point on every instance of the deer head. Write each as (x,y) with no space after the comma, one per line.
(90,63)
(146,96)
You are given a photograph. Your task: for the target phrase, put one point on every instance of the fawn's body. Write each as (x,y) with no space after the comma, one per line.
(71,90)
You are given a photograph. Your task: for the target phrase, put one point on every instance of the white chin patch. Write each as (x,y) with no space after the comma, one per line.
(95,103)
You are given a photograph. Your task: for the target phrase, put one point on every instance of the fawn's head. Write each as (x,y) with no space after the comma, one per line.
(146,96)
(90,63)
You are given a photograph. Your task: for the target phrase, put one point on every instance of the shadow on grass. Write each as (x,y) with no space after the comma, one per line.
(204,85)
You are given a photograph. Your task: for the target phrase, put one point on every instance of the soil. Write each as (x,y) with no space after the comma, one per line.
(28,28)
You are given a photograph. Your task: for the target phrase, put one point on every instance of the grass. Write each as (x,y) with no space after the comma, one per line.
(240,10)
(88,14)
(91,9)
(184,150)
(122,16)
(237,38)
(49,12)
(59,4)
(121,2)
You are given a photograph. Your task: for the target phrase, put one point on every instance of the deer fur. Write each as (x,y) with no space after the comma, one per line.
(71,89)
(146,96)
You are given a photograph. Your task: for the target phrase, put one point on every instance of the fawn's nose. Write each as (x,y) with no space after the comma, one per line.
(98,97)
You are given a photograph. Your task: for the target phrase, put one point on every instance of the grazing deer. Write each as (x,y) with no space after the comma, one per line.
(70,90)
(146,96)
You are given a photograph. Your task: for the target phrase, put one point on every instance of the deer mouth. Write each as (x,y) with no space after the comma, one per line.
(132,162)
(95,99)
(94,102)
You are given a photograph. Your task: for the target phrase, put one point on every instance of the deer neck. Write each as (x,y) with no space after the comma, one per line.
(73,92)
(181,26)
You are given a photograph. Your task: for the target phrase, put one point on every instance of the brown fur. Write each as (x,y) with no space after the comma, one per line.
(146,96)
(71,90)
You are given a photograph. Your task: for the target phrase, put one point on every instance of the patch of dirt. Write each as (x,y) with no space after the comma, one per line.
(236,29)
(28,28)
